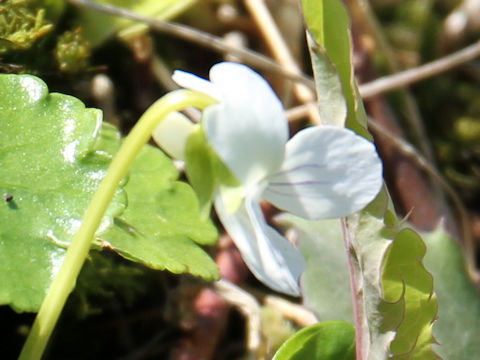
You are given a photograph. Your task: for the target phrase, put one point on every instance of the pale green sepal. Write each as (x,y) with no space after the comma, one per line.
(232,197)
(201,169)
(206,172)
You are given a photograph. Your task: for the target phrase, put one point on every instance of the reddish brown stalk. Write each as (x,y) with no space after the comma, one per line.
(358,312)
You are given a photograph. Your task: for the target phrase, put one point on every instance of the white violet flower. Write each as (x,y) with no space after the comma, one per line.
(322,172)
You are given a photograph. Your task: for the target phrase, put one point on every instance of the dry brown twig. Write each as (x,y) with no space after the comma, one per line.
(249,307)
(202,38)
(297,313)
(411,76)
(281,52)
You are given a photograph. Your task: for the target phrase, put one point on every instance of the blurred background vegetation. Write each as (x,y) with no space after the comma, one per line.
(122,310)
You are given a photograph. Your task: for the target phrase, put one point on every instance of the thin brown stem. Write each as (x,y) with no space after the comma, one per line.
(431,69)
(292,311)
(249,307)
(281,52)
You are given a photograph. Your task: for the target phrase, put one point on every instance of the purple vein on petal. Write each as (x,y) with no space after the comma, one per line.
(300,167)
(294,191)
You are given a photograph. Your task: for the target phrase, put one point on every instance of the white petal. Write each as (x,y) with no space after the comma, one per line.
(248,128)
(328,172)
(172,133)
(270,256)
(194,82)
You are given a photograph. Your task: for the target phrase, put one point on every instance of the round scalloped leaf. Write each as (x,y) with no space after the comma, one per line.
(161,226)
(410,301)
(329,340)
(49,170)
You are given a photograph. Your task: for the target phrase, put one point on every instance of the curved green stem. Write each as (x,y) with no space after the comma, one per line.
(77,252)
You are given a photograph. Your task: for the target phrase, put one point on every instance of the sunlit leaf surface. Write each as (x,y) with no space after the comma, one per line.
(48,174)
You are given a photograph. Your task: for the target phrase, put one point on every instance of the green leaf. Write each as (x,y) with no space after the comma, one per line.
(410,304)
(109,140)
(162,224)
(48,174)
(325,282)
(458,325)
(329,23)
(97,26)
(53,156)
(331,340)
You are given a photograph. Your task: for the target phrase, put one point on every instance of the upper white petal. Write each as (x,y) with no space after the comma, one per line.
(270,256)
(248,128)
(328,172)
(194,82)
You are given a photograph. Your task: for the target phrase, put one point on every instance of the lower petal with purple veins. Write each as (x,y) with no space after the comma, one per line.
(328,172)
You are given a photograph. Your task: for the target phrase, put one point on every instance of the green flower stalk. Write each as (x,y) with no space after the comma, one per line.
(77,252)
